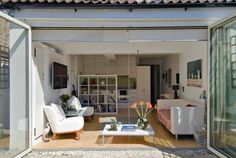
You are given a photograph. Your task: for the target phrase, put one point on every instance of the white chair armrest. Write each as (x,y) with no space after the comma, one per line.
(185,119)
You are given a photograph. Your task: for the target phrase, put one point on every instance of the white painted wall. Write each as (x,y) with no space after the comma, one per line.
(100,65)
(191,53)
(178,63)
(170,62)
(43,92)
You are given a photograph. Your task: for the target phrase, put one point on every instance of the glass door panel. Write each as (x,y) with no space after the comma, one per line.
(223,88)
(14,87)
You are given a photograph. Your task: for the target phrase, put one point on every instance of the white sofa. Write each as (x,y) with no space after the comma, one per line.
(178,118)
(60,124)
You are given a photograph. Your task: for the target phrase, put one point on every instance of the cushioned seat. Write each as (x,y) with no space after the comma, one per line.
(60,124)
(89,111)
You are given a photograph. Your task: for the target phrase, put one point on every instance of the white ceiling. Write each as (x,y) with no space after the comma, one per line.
(140,48)
(151,42)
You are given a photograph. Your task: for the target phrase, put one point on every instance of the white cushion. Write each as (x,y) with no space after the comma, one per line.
(62,113)
(89,111)
(58,111)
(74,101)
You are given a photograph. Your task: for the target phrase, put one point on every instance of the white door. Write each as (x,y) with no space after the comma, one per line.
(143,83)
(222,88)
(15,87)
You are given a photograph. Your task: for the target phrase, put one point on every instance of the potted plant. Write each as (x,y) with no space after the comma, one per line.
(146,108)
(113,125)
(64,101)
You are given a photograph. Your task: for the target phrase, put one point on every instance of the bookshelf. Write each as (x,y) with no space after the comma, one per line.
(99,91)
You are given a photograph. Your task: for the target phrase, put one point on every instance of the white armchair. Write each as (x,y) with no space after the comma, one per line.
(88,111)
(60,124)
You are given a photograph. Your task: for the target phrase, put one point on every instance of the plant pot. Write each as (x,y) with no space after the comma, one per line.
(142,123)
(113,127)
(64,106)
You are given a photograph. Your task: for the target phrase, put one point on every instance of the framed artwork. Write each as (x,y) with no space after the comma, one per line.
(132,83)
(123,81)
(194,73)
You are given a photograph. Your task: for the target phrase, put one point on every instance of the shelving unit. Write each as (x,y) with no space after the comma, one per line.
(99,91)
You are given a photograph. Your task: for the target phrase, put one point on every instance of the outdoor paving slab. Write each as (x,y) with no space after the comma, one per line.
(128,153)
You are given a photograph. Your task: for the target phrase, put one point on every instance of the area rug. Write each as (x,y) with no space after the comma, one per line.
(126,153)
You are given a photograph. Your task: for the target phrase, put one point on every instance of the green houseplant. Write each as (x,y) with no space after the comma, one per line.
(64,101)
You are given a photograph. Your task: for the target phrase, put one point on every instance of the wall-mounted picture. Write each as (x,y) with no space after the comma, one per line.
(194,73)
(132,83)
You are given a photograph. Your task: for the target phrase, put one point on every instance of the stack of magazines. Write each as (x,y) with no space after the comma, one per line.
(128,128)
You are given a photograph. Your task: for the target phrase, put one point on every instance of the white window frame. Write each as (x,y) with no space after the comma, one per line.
(28,28)
(208,100)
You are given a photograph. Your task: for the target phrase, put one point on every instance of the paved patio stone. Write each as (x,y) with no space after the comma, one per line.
(128,153)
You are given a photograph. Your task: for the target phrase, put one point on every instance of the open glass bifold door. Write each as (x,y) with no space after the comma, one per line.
(222,88)
(15,85)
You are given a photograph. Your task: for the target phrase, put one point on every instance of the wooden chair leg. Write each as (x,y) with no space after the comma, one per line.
(77,135)
(81,130)
(54,136)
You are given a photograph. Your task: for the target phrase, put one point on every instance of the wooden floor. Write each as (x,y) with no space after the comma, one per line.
(4,142)
(91,138)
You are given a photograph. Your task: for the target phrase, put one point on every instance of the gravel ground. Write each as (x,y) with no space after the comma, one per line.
(127,153)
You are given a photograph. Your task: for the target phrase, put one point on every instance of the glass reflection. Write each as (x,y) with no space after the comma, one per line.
(223,88)
(14,132)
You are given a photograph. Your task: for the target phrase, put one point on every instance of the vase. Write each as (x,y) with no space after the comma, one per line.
(142,123)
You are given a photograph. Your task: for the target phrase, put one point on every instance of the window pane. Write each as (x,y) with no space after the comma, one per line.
(14,108)
(223,89)
(233,49)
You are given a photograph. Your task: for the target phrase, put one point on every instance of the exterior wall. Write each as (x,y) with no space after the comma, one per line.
(4,33)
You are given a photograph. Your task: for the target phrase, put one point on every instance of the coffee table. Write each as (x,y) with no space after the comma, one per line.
(138,132)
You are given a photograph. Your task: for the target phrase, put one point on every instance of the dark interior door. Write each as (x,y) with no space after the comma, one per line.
(155,83)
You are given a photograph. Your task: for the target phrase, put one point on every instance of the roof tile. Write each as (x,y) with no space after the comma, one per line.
(119,1)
